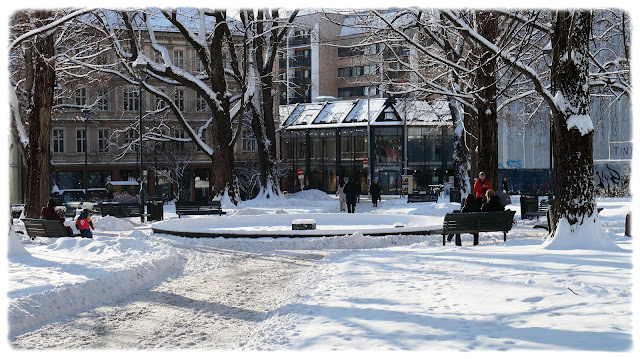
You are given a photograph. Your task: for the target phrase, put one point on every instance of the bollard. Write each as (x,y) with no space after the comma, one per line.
(627,225)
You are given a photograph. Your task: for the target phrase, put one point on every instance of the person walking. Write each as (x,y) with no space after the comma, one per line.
(505,185)
(481,186)
(85,224)
(351,192)
(376,190)
(342,197)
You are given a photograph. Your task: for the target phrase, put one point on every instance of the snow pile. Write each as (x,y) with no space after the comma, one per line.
(590,235)
(249,212)
(73,274)
(15,248)
(311,195)
(109,223)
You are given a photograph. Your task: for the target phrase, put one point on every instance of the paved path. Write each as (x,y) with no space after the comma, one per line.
(216,303)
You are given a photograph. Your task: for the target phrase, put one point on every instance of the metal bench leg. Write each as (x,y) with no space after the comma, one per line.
(476,237)
(443,239)
(505,236)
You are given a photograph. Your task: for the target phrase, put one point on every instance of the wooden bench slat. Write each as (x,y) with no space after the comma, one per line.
(36,227)
(476,222)
(198,208)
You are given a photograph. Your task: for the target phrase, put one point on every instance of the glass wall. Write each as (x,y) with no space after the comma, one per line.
(70,179)
(327,155)
(201,184)
(98,179)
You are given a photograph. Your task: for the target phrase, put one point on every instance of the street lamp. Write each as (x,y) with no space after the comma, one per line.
(85,116)
(140,64)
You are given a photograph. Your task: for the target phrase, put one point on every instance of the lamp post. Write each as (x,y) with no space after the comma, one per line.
(85,116)
(140,64)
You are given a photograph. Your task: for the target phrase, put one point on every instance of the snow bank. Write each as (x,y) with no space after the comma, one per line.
(590,235)
(311,195)
(15,248)
(74,274)
(109,223)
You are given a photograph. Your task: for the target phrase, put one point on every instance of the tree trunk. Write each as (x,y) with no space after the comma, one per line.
(485,81)
(223,177)
(573,146)
(460,151)
(37,160)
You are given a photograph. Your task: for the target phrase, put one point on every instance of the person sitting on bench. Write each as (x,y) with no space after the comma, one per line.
(470,205)
(49,212)
(493,203)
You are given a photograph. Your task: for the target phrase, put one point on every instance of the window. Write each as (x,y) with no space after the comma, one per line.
(81,96)
(351,91)
(103,100)
(160,103)
(81,141)
(130,137)
(349,51)
(178,58)
(131,100)
(178,98)
(103,140)
(157,57)
(199,65)
(201,104)
(180,134)
(58,141)
(249,142)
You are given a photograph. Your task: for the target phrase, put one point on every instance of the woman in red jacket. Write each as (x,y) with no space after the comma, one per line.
(481,186)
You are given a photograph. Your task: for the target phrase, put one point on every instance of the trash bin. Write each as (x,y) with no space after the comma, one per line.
(155,209)
(455,195)
(528,203)
(550,216)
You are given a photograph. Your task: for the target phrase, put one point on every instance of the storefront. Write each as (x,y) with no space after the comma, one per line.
(362,141)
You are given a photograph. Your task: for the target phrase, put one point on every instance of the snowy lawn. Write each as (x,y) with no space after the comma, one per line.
(385,292)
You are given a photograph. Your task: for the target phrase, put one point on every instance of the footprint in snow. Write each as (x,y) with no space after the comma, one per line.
(532,299)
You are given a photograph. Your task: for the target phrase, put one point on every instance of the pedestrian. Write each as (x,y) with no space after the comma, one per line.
(85,224)
(505,185)
(351,192)
(493,203)
(49,212)
(505,199)
(470,205)
(341,196)
(359,191)
(481,186)
(376,189)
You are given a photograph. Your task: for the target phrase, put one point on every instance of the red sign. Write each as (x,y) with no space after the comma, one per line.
(365,161)
(300,172)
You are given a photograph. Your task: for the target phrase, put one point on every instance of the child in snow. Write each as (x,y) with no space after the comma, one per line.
(84,224)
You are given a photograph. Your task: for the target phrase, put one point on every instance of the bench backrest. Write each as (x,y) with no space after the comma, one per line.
(479,221)
(119,209)
(197,205)
(44,228)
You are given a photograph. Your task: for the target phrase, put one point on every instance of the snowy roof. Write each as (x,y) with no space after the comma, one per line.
(354,113)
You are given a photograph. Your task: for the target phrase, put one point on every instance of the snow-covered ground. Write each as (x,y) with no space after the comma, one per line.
(384,292)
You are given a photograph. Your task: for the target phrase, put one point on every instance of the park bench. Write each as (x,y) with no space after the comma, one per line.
(423,195)
(120,210)
(45,228)
(198,208)
(476,222)
(538,212)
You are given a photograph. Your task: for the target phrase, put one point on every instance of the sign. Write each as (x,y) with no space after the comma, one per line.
(407,184)
(300,173)
(365,162)
(620,150)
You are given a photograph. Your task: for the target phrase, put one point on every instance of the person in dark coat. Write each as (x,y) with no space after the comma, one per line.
(505,185)
(470,205)
(376,190)
(493,203)
(84,224)
(351,191)
(49,212)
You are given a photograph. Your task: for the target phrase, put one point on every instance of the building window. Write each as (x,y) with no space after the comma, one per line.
(178,58)
(160,102)
(130,136)
(103,103)
(58,141)
(249,142)
(351,91)
(131,100)
(81,97)
(350,51)
(81,141)
(178,98)
(180,134)
(103,140)
(201,104)
(199,65)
